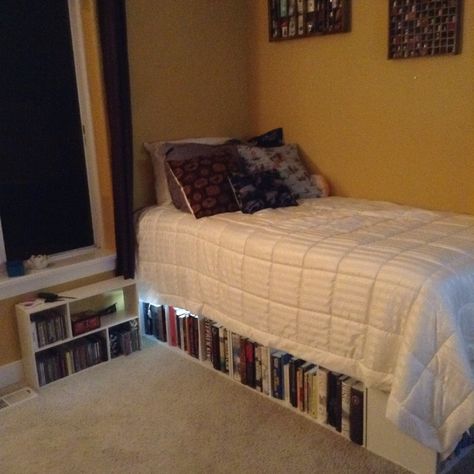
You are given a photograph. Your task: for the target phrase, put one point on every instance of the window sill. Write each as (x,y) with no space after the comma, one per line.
(60,271)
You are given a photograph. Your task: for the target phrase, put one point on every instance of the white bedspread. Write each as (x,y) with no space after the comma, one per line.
(381,292)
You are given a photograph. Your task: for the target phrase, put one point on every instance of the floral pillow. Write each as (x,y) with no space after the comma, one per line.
(204,185)
(286,161)
(260,191)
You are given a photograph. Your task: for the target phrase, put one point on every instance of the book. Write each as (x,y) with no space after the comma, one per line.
(322,394)
(356,416)
(207,339)
(243,361)
(313,392)
(236,357)
(333,401)
(300,382)
(294,364)
(346,406)
(265,360)
(147,320)
(215,346)
(250,363)
(258,367)
(278,359)
(286,381)
(172,341)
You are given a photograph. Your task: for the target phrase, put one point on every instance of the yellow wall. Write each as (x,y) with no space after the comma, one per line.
(380,129)
(188,72)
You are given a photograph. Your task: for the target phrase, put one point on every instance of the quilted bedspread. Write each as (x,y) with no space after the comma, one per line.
(378,291)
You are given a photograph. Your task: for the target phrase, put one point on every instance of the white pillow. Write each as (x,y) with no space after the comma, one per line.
(157,151)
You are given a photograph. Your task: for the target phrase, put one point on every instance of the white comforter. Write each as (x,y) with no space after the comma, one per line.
(381,292)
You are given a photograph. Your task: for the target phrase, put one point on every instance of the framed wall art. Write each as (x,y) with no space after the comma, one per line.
(424,28)
(293,19)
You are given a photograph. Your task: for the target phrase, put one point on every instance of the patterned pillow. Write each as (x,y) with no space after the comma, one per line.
(157,151)
(260,191)
(286,161)
(185,151)
(204,185)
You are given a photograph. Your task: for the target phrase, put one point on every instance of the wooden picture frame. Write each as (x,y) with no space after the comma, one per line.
(296,19)
(424,28)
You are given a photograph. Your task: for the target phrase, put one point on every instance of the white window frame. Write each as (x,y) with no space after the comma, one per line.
(85,111)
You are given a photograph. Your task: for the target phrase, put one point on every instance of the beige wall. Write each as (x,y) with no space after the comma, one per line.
(188,73)
(380,129)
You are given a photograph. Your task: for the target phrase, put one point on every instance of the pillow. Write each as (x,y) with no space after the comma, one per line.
(286,161)
(185,151)
(322,183)
(261,191)
(271,138)
(156,151)
(204,185)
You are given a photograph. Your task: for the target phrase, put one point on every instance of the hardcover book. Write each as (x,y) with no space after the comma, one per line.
(333,401)
(236,356)
(346,405)
(294,364)
(172,326)
(278,359)
(356,417)
(322,395)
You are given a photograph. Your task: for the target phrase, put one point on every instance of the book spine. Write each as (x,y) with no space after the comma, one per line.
(276,375)
(332,401)
(243,361)
(313,406)
(250,363)
(216,359)
(226,351)
(322,395)
(173,341)
(236,357)
(345,407)
(222,332)
(356,417)
(258,367)
(286,381)
(265,356)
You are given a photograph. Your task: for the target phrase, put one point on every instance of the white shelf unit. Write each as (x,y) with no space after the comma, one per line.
(379,435)
(51,351)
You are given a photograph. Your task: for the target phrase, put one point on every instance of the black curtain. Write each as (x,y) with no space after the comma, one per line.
(113,36)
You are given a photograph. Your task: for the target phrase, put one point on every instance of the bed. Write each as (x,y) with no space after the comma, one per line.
(378,291)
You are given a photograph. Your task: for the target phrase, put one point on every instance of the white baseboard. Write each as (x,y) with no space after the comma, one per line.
(11,373)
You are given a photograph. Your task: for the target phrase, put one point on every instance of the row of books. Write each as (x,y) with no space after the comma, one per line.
(66,360)
(124,339)
(48,327)
(327,396)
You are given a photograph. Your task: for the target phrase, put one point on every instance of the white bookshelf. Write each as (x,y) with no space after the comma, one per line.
(60,347)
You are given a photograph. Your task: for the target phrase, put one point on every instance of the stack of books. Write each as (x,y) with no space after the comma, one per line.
(48,327)
(56,363)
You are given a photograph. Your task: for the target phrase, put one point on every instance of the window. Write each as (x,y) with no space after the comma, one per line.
(45,192)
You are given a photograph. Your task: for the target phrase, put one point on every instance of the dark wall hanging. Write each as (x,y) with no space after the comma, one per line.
(424,28)
(293,19)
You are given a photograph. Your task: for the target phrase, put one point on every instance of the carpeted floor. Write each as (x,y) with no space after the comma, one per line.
(157,412)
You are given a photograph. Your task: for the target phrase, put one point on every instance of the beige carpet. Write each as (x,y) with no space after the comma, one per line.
(157,412)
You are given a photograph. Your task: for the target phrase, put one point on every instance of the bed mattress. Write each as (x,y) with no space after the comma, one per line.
(378,291)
